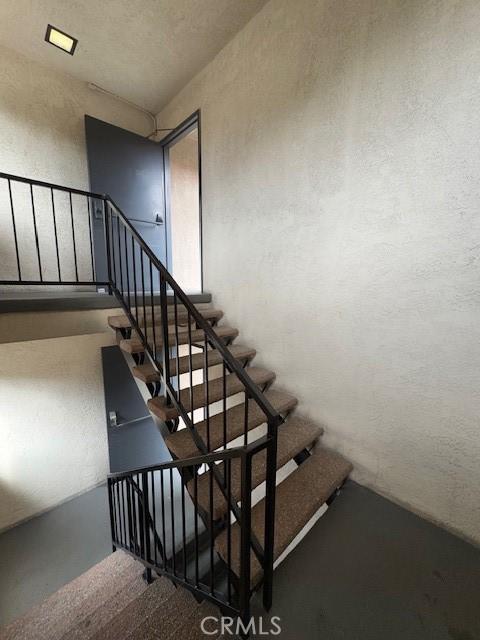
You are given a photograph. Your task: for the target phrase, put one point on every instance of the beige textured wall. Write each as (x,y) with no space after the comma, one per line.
(52,423)
(42,136)
(340,163)
(185,213)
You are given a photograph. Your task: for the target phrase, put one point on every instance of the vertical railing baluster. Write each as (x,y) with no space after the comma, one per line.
(54,214)
(73,236)
(36,234)
(177,345)
(126,268)
(12,211)
(146,521)
(114,256)
(190,364)
(134,269)
(245,536)
(122,491)
(195,508)
(224,393)
(145,323)
(270,490)
(207,397)
(245,423)
(212,533)
(130,516)
(90,235)
(134,513)
(228,474)
(165,334)
(107,221)
(184,533)
(118,510)
(164,538)
(110,508)
(154,518)
(172,516)
(120,265)
(152,300)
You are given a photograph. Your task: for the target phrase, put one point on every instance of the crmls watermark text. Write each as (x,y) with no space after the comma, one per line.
(226,626)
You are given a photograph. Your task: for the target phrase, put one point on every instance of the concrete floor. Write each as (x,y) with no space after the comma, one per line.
(368,570)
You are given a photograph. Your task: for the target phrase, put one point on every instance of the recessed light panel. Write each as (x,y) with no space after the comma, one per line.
(60,39)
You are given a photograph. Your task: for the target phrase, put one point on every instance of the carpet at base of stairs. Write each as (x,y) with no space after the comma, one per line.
(111,601)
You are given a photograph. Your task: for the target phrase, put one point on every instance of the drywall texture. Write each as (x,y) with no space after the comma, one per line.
(42,127)
(185,213)
(340,190)
(52,423)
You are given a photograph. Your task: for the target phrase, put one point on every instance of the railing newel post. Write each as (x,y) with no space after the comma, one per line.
(245,535)
(110,507)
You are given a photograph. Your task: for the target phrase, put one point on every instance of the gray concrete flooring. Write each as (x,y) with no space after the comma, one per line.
(368,570)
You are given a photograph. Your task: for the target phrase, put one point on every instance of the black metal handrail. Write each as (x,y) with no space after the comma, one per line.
(145,525)
(135,275)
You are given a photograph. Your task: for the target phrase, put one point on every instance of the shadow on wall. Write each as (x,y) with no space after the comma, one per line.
(15,506)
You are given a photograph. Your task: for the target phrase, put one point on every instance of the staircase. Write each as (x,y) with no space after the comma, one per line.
(247,473)
(112,601)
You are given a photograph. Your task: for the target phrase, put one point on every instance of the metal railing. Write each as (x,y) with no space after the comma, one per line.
(89,241)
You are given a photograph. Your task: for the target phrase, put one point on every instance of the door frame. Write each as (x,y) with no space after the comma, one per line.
(179,132)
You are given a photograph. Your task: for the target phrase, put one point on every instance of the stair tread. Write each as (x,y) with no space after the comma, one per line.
(122,321)
(148,374)
(182,445)
(233,385)
(162,620)
(190,629)
(298,498)
(134,345)
(85,626)
(53,617)
(134,614)
(294,436)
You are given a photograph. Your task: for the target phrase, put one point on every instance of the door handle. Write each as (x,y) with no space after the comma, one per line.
(113,419)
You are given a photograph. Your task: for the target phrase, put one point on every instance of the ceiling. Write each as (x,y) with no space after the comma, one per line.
(143,50)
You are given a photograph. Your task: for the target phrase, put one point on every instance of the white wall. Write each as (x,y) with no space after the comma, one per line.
(52,422)
(42,137)
(341,192)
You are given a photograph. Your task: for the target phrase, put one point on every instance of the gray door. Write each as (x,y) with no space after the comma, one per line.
(128,168)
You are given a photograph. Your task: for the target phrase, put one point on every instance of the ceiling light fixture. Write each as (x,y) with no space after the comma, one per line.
(61,40)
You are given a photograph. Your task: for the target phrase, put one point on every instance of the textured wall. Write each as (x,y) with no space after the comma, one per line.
(341,165)
(52,422)
(42,137)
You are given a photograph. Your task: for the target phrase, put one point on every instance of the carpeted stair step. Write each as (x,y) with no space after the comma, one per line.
(163,620)
(85,625)
(55,616)
(126,623)
(134,345)
(233,385)
(191,628)
(181,443)
(294,436)
(298,498)
(148,374)
(121,321)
